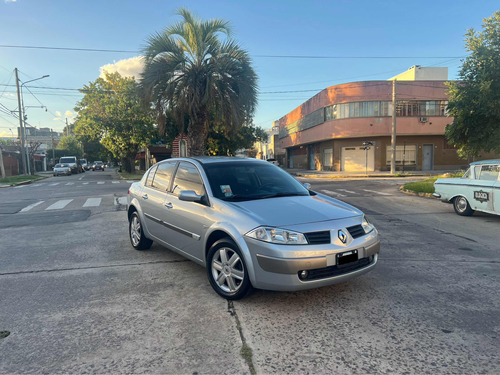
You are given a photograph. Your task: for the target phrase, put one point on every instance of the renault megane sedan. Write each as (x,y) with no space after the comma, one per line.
(251,224)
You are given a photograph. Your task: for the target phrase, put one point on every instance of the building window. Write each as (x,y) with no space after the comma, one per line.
(407,108)
(409,152)
(328,157)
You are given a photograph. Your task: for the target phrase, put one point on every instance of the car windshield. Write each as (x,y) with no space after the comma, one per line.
(60,165)
(67,160)
(240,181)
(98,162)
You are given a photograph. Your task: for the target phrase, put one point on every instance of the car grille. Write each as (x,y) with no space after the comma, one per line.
(318,238)
(331,271)
(356,231)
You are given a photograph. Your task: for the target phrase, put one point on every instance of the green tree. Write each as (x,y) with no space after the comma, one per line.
(112,112)
(474,100)
(190,72)
(71,145)
(221,143)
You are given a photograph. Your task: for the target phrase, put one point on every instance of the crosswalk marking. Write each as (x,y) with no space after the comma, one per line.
(376,192)
(100,182)
(85,183)
(347,191)
(92,202)
(70,183)
(54,184)
(130,182)
(20,186)
(36,185)
(27,208)
(115,182)
(329,192)
(59,204)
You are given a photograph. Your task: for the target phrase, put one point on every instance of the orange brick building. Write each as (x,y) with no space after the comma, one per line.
(327,131)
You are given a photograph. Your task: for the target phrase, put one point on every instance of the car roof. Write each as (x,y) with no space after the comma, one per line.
(219,159)
(492,161)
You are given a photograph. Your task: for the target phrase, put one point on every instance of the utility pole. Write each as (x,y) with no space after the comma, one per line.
(393,136)
(53,151)
(67,127)
(21,129)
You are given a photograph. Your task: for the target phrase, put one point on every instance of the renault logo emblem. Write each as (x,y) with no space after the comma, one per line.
(342,236)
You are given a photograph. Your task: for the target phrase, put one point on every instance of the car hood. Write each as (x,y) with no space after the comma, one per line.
(296,210)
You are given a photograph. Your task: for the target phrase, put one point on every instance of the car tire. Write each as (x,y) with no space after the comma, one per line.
(136,234)
(462,206)
(229,279)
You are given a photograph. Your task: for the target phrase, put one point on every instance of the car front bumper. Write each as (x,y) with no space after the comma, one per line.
(279,270)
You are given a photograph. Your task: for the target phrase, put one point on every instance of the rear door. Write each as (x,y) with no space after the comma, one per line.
(153,199)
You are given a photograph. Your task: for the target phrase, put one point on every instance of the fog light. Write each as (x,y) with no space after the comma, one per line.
(303,274)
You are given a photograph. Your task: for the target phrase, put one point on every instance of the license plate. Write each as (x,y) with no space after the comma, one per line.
(347,257)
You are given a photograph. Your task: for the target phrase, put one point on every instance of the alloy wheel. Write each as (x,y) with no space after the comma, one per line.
(227,270)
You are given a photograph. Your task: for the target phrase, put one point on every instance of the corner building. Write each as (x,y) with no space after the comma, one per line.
(327,132)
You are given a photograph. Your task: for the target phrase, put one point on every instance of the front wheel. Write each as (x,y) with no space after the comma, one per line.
(462,206)
(226,270)
(137,238)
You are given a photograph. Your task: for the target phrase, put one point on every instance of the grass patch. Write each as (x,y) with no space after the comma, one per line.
(131,176)
(427,186)
(17,179)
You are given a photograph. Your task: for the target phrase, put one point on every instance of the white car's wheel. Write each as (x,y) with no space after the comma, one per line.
(462,206)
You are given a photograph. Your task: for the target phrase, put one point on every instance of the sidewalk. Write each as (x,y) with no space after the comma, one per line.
(377,174)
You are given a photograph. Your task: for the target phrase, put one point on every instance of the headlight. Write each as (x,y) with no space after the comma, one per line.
(277,235)
(367,226)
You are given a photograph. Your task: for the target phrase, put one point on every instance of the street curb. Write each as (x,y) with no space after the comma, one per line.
(25,182)
(410,192)
(298,174)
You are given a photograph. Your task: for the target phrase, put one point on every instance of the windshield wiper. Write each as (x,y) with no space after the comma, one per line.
(276,195)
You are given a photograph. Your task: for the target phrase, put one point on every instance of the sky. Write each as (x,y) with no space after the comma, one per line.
(297,48)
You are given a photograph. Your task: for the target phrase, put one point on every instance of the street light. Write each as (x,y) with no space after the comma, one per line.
(23,127)
(366,147)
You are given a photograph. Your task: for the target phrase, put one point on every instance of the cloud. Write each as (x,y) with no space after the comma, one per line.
(10,1)
(132,67)
(67,115)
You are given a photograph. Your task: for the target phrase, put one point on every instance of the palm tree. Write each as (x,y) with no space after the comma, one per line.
(197,77)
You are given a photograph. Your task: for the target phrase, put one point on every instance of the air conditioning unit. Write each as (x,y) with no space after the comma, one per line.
(423,119)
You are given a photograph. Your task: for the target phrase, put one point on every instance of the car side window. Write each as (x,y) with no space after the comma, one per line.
(187,177)
(489,172)
(151,174)
(163,176)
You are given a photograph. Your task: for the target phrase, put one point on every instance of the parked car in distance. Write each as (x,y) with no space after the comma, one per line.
(251,224)
(85,165)
(477,190)
(62,169)
(273,161)
(98,165)
(73,163)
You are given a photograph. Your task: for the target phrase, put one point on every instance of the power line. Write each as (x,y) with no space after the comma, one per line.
(68,49)
(260,56)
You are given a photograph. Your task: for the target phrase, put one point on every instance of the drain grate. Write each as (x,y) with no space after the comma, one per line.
(4,334)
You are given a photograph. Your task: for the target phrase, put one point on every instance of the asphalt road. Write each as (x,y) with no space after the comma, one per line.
(76,297)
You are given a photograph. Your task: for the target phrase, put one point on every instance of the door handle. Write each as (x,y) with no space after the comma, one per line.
(169,205)
(144,196)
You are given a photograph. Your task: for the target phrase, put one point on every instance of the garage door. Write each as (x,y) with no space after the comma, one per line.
(356,159)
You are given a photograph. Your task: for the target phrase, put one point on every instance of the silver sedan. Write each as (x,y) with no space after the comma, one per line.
(251,224)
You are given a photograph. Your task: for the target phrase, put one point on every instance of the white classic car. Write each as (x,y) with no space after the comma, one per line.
(477,190)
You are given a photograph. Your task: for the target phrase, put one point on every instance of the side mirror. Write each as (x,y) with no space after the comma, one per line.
(190,196)
(307,185)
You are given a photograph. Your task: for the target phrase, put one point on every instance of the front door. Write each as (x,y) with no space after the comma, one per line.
(427,157)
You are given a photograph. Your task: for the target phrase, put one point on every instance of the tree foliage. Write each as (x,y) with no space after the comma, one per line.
(191,73)
(71,145)
(221,143)
(474,100)
(113,113)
